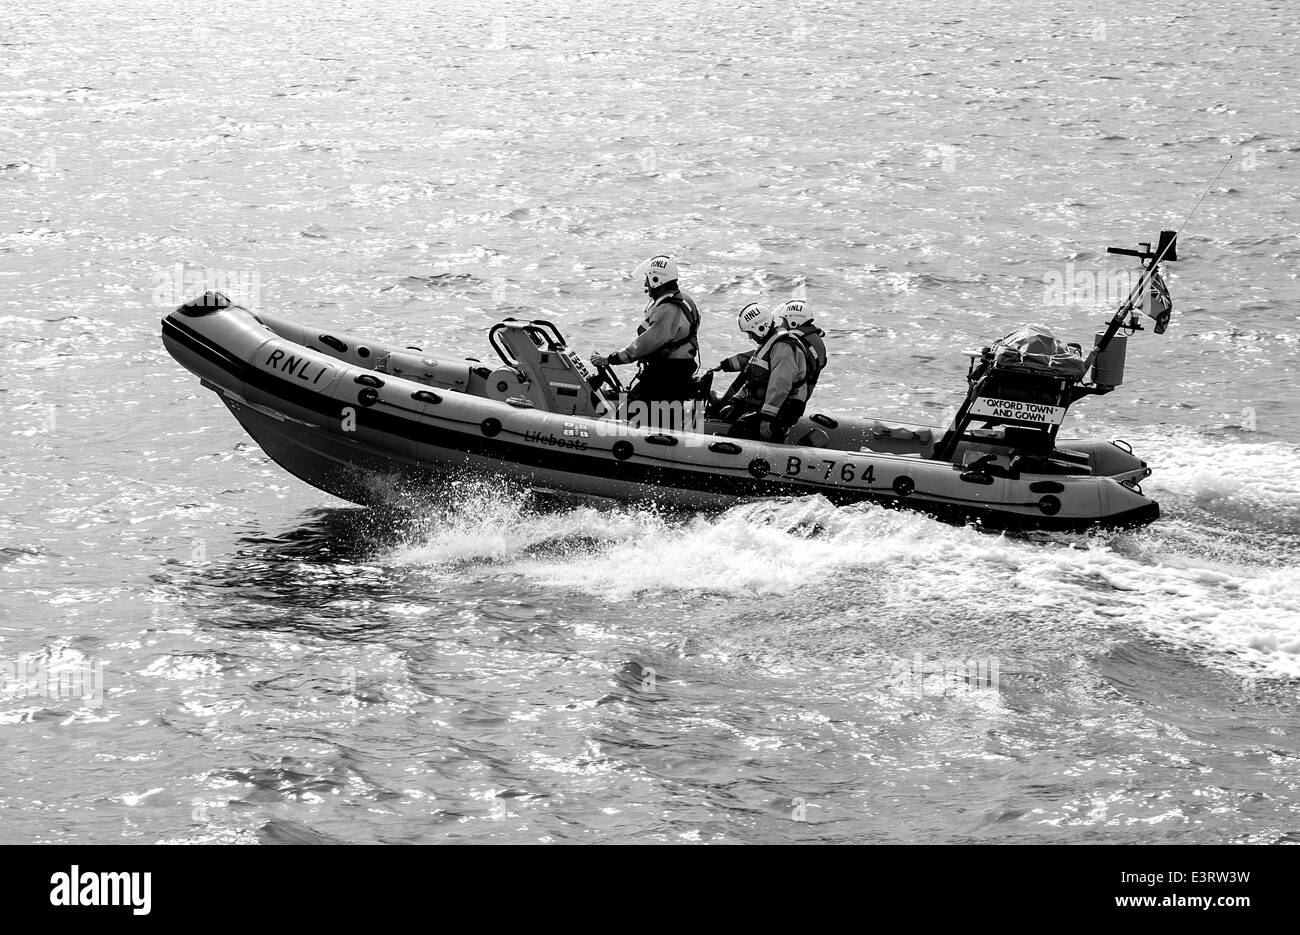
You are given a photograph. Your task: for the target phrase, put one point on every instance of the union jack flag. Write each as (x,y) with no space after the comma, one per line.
(1156,303)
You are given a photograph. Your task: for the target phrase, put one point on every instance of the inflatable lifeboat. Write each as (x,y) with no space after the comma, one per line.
(360,420)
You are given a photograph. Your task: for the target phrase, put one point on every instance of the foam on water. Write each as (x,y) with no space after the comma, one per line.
(1252,475)
(1239,610)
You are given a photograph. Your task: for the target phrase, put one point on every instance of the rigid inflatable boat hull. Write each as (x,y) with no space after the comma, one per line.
(350,472)
(330,420)
(354,472)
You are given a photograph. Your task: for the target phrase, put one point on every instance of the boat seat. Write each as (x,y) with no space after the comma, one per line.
(894,430)
(814,438)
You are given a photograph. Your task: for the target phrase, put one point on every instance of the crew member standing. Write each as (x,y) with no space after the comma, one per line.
(667,344)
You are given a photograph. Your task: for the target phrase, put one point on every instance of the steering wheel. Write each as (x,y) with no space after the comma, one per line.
(605,376)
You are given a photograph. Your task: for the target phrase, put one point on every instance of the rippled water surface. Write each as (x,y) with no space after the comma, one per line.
(279,667)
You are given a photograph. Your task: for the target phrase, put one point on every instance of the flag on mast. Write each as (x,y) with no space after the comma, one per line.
(1156,303)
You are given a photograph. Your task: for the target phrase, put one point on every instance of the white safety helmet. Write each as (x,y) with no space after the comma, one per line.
(756,321)
(656,271)
(796,313)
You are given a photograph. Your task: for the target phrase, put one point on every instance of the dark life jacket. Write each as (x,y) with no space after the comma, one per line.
(815,351)
(759,369)
(692,313)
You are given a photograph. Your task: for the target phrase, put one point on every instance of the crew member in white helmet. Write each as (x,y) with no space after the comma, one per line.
(774,391)
(799,321)
(667,344)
